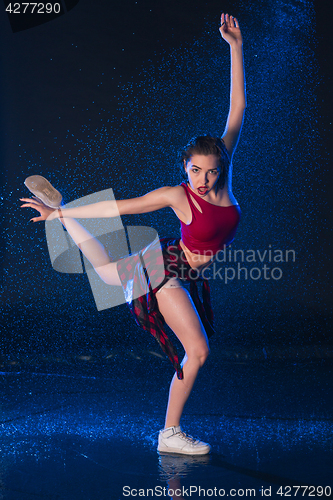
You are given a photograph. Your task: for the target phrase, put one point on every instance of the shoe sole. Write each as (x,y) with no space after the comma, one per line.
(43,189)
(181,452)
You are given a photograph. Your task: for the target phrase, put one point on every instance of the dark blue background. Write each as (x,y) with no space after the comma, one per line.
(105,95)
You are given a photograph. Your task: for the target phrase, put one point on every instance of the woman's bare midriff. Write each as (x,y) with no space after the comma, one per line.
(196,260)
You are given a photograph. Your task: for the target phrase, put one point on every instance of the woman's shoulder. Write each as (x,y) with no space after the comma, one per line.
(174,195)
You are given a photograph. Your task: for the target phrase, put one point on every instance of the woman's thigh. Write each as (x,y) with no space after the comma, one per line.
(109,274)
(182,317)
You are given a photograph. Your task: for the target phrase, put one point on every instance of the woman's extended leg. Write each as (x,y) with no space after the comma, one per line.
(181,316)
(87,243)
(93,250)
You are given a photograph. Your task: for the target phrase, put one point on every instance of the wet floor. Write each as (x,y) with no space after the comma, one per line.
(85,427)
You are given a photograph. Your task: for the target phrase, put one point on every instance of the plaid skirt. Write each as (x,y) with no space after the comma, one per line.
(144,273)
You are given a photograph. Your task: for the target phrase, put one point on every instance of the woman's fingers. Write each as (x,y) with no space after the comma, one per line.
(36,219)
(31,205)
(229,21)
(38,205)
(34,199)
(30,202)
(27,199)
(225,19)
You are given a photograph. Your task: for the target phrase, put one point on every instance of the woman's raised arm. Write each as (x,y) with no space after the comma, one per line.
(231,33)
(154,200)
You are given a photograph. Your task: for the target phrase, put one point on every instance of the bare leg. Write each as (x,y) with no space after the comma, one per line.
(178,310)
(180,314)
(93,251)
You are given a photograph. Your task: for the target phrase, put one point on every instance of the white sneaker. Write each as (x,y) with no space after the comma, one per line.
(174,440)
(43,189)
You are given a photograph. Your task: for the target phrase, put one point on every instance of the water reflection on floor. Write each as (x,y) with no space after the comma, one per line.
(88,430)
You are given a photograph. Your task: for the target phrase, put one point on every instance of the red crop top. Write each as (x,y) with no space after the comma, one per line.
(213,229)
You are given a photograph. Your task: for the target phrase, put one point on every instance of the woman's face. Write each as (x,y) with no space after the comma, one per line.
(203,173)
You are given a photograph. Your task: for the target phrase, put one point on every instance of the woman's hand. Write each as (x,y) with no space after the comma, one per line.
(230,31)
(38,205)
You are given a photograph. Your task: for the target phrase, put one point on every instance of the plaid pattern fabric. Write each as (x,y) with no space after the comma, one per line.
(144,273)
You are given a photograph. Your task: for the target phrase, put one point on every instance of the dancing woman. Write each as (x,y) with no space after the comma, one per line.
(209,216)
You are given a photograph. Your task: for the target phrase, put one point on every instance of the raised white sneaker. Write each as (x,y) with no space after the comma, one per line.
(43,189)
(174,440)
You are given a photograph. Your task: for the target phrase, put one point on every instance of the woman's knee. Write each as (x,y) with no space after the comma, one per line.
(200,354)
(204,355)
